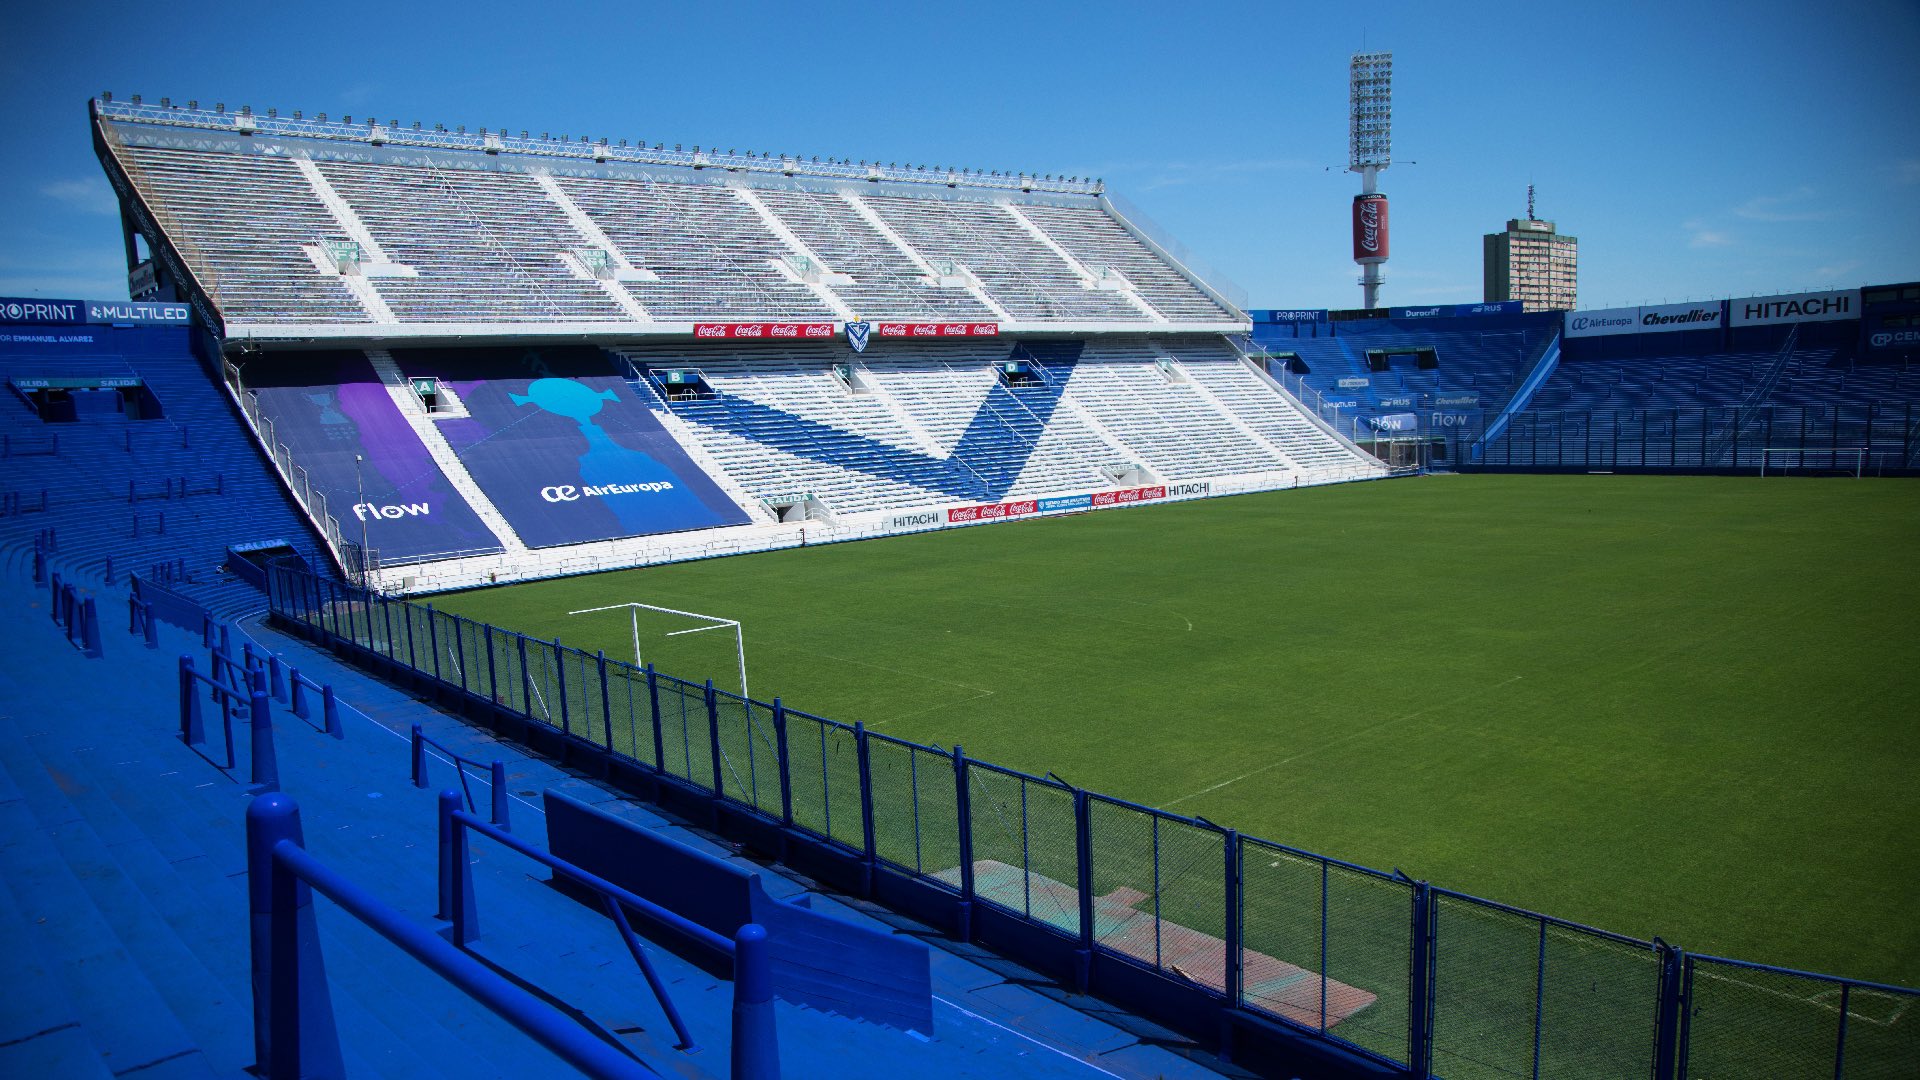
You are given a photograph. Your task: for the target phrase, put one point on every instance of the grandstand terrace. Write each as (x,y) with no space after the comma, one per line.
(511,358)
(441,233)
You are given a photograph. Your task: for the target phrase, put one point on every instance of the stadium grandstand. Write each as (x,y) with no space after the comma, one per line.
(696,353)
(366,364)
(1812,382)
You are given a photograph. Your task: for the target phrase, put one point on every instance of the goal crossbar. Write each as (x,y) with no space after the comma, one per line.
(634,608)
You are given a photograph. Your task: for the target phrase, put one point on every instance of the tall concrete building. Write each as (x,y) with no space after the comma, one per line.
(1533,263)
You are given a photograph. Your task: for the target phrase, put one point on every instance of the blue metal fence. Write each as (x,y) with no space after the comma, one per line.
(1231,938)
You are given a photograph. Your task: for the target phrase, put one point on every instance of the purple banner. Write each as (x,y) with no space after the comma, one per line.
(329,408)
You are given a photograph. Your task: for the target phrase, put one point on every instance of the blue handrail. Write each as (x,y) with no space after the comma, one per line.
(264,766)
(496,775)
(294,1003)
(457,902)
(298,685)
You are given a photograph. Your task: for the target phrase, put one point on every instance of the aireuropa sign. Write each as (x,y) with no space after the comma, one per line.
(1794,308)
(1657,319)
(38,312)
(1602,321)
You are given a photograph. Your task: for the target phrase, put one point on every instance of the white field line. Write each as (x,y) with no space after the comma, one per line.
(1023,1035)
(1347,738)
(978,691)
(1818,999)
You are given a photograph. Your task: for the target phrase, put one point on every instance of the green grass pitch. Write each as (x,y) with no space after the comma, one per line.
(1658,705)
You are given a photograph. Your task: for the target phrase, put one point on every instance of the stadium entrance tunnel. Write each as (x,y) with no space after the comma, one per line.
(1424,358)
(250,562)
(684,384)
(1019,374)
(70,400)
(792,509)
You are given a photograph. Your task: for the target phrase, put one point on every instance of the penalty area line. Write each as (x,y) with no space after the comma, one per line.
(1347,738)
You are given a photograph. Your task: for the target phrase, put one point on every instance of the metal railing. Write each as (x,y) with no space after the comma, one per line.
(753,1041)
(293,1031)
(1831,438)
(395,135)
(496,771)
(1105,892)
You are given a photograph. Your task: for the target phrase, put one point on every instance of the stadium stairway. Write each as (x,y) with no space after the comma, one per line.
(124,860)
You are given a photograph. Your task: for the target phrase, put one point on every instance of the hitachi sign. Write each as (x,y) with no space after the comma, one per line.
(1794,308)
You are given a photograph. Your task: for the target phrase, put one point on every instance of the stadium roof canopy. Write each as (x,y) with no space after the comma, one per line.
(297,229)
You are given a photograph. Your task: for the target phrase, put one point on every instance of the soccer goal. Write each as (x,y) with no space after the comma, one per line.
(1835,461)
(663,636)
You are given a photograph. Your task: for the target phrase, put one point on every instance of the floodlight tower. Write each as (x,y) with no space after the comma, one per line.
(1370,149)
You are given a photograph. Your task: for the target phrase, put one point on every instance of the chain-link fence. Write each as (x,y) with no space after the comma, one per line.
(685,747)
(580,687)
(1428,978)
(823,766)
(749,752)
(1024,845)
(1749,1020)
(916,824)
(1159,890)
(1327,945)
(1841,439)
(630,717)
(1521,995)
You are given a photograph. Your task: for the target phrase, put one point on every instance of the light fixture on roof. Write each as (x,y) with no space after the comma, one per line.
(106,95)
(193,103)
(136,99)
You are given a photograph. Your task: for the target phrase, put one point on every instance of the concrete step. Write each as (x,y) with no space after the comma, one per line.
(76,898)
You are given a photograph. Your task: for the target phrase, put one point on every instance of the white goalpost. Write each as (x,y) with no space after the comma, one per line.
(715,622)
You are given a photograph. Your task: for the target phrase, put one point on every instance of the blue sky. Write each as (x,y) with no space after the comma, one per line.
(1696,149)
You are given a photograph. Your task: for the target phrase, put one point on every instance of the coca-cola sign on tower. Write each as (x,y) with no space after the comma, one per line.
(1370,228)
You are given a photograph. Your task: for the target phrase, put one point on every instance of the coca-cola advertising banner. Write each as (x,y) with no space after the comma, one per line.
(929,330)
(1370,228)
(769,331)
(1001,511)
